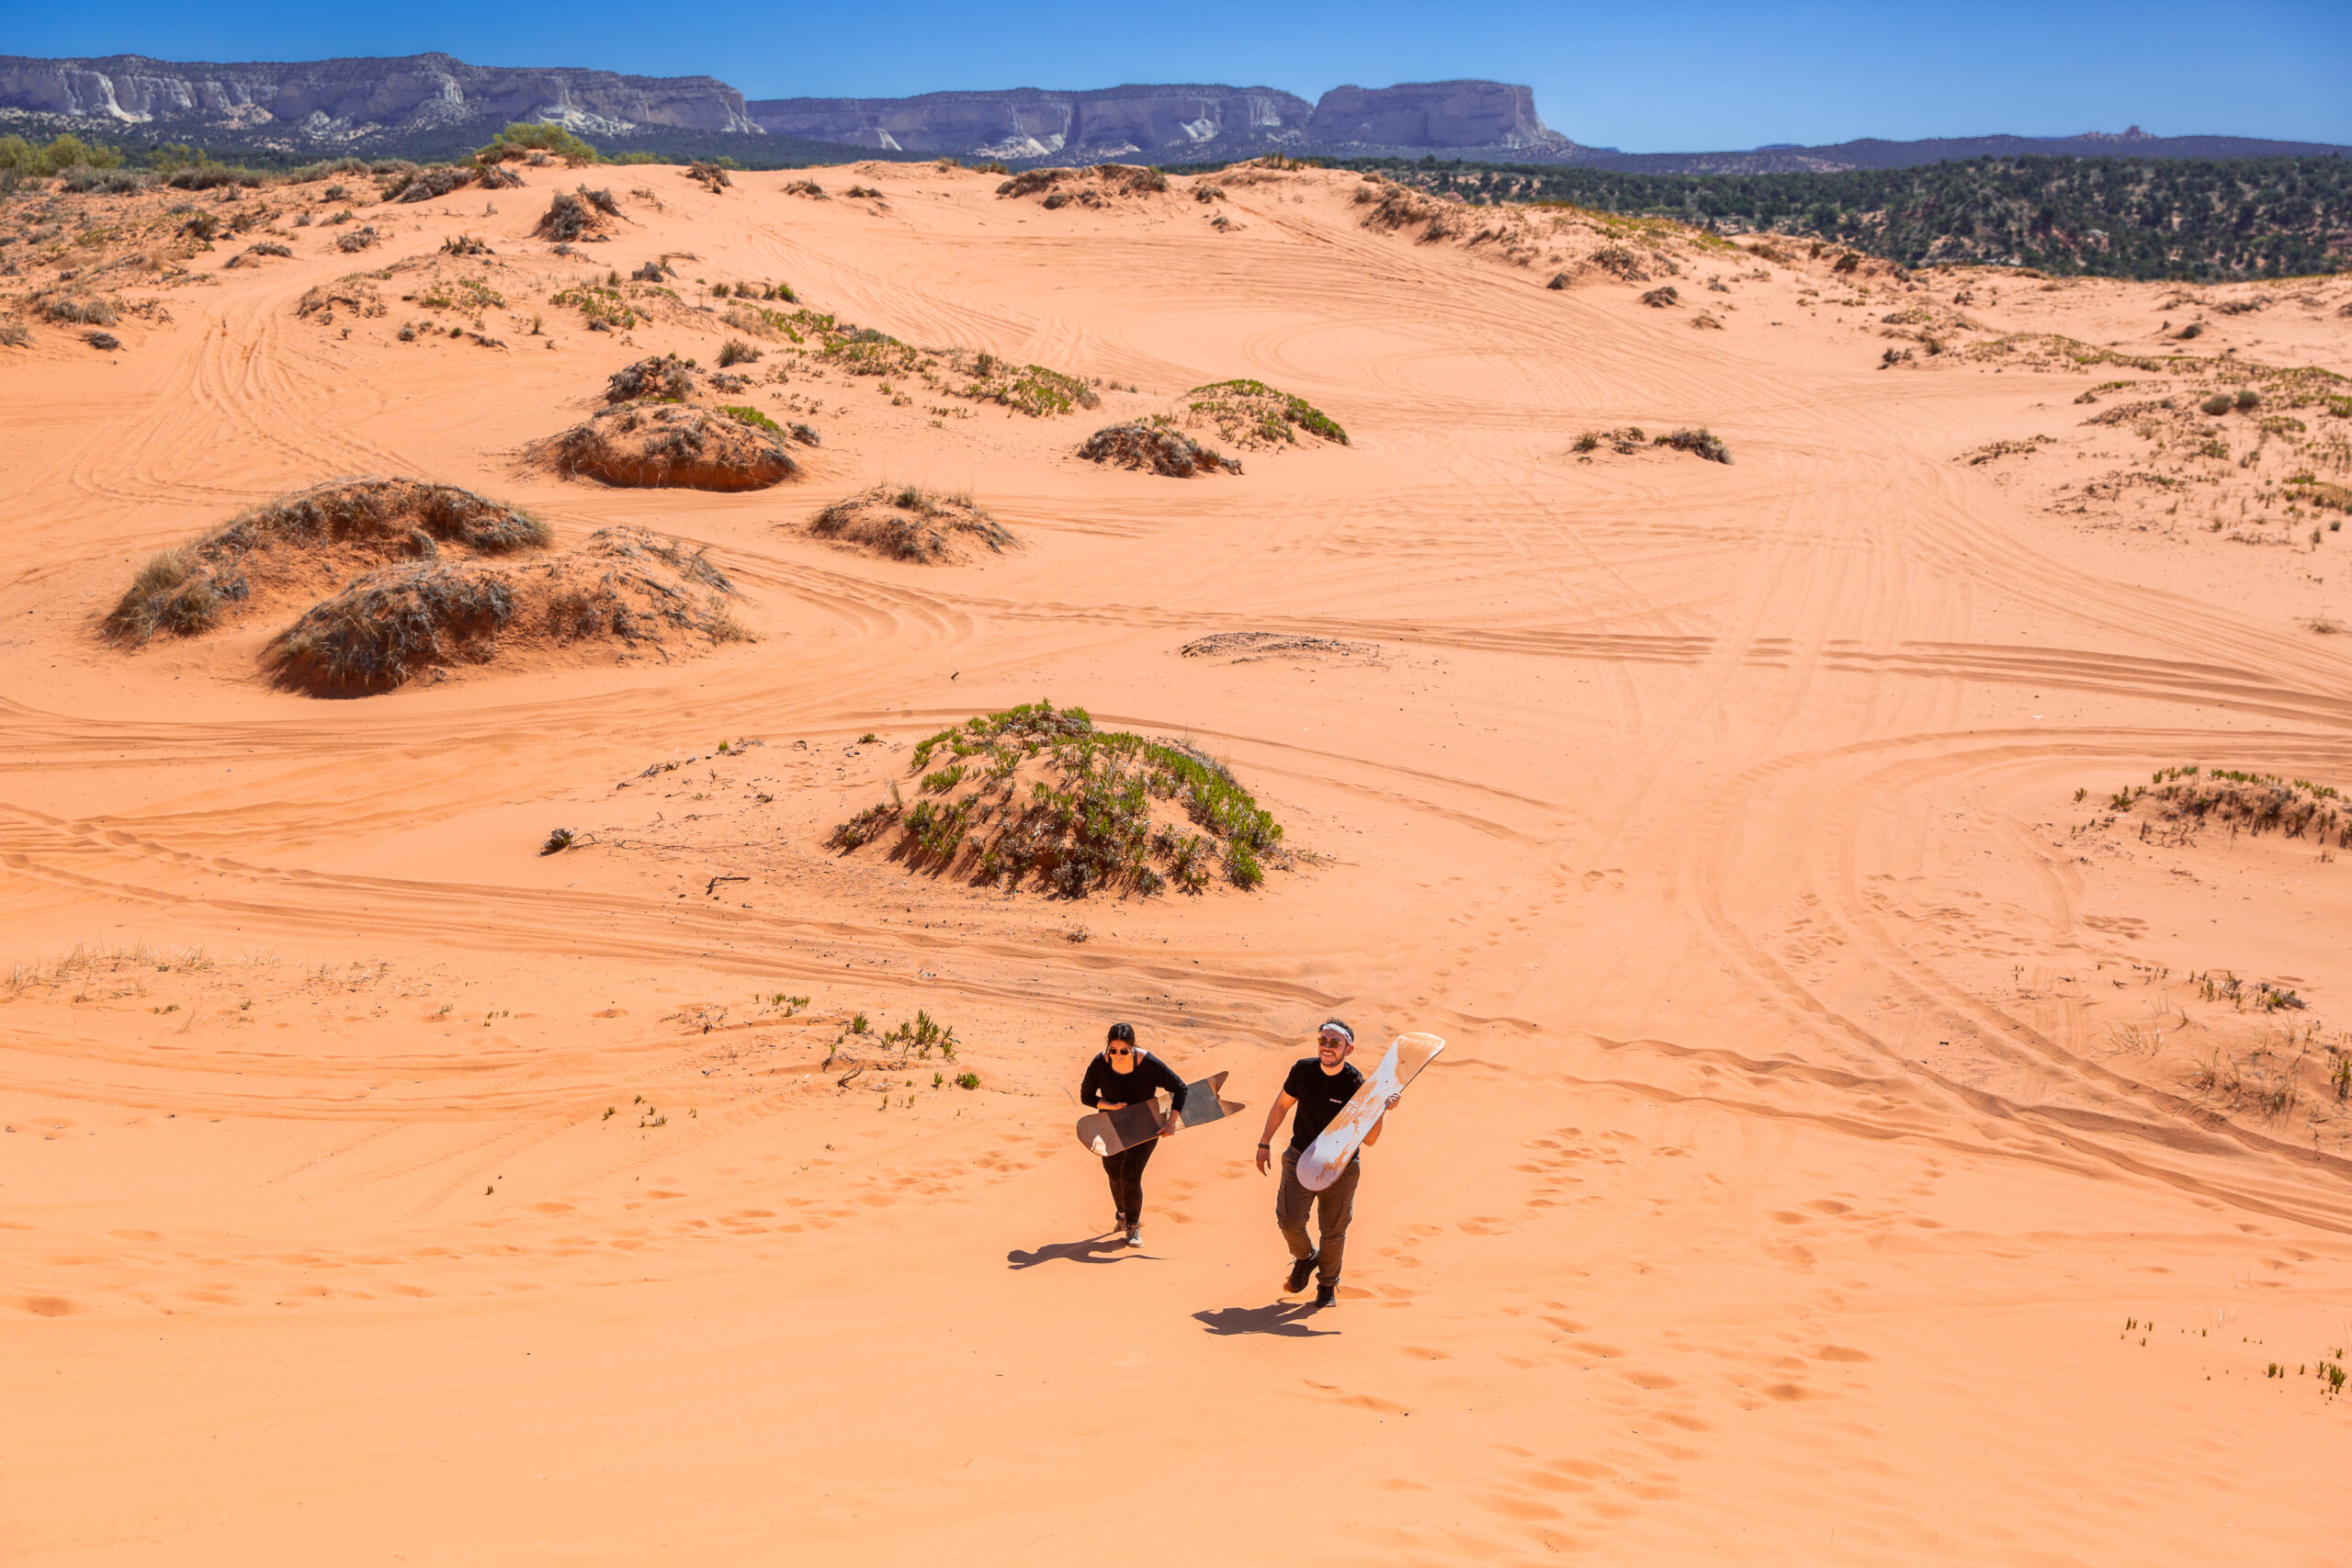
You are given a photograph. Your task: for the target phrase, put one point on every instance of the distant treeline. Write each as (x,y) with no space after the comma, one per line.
(2183,218)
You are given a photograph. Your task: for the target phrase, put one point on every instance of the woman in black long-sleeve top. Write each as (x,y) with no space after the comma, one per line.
(1123,1075)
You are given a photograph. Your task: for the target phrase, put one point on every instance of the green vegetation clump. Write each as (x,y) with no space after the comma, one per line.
(1039,795)
(521,139)
(1032,389)
(1251,414)
(743,414)
(601,308)
(2148,217)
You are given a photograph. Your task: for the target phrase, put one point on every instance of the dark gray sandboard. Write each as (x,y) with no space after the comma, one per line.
(1112,1132)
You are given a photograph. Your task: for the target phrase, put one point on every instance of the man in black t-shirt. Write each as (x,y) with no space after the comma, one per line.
(1319,1086)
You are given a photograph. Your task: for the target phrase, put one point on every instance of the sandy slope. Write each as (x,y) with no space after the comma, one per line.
(1820,1171)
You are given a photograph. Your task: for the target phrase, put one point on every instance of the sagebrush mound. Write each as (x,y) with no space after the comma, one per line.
(1038,795)
(292,546)
(391,625)
(2180,803)
(662,444)
(1251,414)
(907,523)
(1153,444)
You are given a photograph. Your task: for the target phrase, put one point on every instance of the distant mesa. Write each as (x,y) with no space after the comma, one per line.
(433,106)
(354,100)
(1029,123)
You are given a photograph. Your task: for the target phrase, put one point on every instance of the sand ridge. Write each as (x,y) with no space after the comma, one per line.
(1820,1166)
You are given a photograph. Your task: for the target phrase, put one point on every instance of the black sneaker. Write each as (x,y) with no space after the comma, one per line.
(1328,1293)
(1300,1272)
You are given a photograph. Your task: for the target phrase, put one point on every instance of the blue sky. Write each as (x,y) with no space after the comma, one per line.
(1657,77)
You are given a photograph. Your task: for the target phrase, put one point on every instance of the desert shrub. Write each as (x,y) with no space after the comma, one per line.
(735,351)
(1131,179)
(1252,414)
(104,341)
(1697,442)
(908,523)
(662,377)
(1028,388)
(709,175)
(1029,182)
(382,630)
(1038,795)
(2248,399)
(1658,298)
(809,189)
(172,592)
(15,334)
(497,176)
(671,444)
(209,176)
(86,181)
(520,140)
(574,215)
(1142,444)
(424,185)
(2190,797)
(184,591)
(2219,403)
(1619,262)
(85,312)
(864,192)
(359,239)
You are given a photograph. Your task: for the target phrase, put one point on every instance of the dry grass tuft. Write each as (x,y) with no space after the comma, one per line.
(389,627)
(1144,443)
(908,523)
(2178,803)
(188,590)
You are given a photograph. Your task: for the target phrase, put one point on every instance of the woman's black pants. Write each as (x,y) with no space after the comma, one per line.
(1126,1171)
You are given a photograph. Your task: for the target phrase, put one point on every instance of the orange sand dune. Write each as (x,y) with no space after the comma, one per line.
(1853,1145)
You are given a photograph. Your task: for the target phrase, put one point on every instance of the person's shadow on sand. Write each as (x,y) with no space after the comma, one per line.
(1286,1320)
(1093,1250)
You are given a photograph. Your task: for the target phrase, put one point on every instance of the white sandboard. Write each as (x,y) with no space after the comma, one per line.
(1328,1154)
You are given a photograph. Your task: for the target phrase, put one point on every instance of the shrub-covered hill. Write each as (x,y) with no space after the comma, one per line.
(2111,217)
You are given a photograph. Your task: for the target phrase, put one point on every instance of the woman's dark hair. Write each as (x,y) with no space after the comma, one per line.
(1122,1034)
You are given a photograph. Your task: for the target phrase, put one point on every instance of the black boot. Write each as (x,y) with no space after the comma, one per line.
(1328,1293)
(1301,1270)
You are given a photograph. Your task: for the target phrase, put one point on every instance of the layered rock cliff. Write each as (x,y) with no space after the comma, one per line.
(1176,124)
(1032,123)
(354,100)
(1434,114)
(431,105)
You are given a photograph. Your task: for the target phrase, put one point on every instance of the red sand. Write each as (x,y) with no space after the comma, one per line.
(1820,1169)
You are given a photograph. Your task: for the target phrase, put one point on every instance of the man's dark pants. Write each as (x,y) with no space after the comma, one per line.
(1335,1206)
